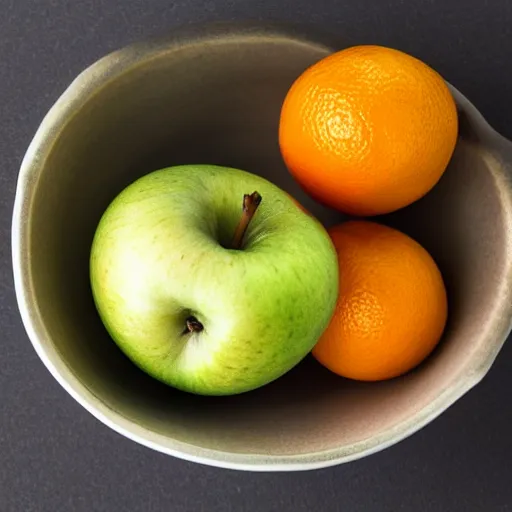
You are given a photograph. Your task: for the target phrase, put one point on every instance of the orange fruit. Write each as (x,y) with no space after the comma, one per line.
(368,130)
(392,306)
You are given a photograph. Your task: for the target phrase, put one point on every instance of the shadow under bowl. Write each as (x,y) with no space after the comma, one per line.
(214,96)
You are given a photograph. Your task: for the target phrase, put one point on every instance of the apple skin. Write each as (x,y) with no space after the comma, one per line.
(161,254)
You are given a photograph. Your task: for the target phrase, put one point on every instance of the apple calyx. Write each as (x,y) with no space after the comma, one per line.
(192,325)
(249,206)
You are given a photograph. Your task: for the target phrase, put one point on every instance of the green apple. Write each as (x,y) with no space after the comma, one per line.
(205,290)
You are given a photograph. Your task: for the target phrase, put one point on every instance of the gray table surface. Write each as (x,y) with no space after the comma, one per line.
(55,457)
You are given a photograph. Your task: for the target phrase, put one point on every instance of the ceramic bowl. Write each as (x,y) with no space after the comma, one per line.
(214,96)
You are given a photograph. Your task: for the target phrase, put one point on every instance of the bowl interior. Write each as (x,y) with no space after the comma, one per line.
(217,101)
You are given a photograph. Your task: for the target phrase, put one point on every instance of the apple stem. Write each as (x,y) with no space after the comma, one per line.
(250,205)
(193,325)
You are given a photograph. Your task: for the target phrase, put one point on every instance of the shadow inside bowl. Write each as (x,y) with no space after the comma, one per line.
(218,101)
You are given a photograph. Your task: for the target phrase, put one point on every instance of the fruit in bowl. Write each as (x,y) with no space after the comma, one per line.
(216,295)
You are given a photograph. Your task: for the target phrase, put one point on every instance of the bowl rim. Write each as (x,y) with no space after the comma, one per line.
(89,82)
